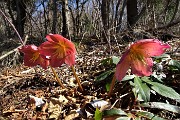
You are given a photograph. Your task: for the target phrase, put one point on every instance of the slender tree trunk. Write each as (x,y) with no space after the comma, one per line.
(121,15)
(105,9)
(45,18)
(21,16)
(65,18)
(54,24)
(132,12)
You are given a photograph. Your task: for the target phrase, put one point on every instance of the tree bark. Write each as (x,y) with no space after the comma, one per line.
(65,18)
(20,8)
(45,18)
(21,16)
(54,24)
(105,9)
(132,12)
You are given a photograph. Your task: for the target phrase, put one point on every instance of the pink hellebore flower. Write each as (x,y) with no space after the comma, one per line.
(32,56)
(60,50)
(138,57)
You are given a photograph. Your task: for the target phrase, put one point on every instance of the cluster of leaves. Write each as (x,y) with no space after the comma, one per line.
(143,88)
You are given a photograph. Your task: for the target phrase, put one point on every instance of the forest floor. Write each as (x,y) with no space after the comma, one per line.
(33,93)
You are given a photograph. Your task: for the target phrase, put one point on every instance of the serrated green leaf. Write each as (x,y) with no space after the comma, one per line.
(103,76)
(98,114)
(142,89)
(165,91)
(128,77)
(114,111)
(164,106)
(149,115)
(162,89)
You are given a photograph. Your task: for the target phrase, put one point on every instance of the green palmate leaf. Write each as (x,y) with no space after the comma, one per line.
(98,114)
(149,115)
(114,111)
(164,106)
(162,89)
(142,89)
(103,76)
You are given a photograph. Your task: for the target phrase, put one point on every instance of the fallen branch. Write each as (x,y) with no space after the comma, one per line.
(14,50)
(10,52)
(171,24)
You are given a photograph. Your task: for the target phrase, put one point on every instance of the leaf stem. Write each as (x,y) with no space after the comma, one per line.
(57,78)
(112,85)
(77,78)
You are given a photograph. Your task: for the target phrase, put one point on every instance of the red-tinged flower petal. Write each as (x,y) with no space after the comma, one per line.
(142,68)
(32,57)
(48,48)
(150,47)
(28,49)
(56,62)
(59,49)
(122,66)
(70,59)
(61,41)
(55,38)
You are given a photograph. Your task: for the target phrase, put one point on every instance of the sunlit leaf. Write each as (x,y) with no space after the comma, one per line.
(103,76)
(162,89)
(115,60)
(149,115)
(123,118)
(98,114)
(128,77)
(142,89)
(164,106)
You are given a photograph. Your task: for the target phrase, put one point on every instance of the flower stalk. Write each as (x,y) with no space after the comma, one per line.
(57,78)
(112,85)
(77,78)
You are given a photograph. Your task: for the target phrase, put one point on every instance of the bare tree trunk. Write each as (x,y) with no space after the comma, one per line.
(54,24)
(45,18)
(105,9)
(21,16)
(132,12)
(121,15)
(65,18)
